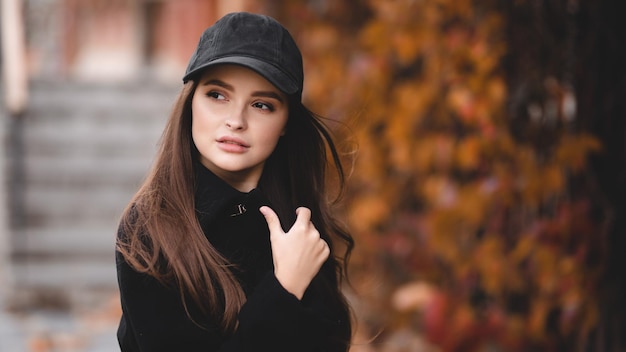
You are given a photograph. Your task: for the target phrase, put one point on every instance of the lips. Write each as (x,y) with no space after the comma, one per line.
(233,140)
(232,144)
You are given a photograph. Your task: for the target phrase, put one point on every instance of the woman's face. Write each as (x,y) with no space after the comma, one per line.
(237,118)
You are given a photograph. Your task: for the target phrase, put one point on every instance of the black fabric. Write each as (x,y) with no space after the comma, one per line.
(272,319)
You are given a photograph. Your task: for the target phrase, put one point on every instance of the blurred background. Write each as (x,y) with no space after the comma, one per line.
(485,142)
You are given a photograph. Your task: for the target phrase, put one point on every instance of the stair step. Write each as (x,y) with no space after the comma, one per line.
(81,172)
(64,275)
(65,242)
(75,98)
(61,206)
(118,140)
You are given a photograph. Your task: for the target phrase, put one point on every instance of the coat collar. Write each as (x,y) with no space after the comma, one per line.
(216,198)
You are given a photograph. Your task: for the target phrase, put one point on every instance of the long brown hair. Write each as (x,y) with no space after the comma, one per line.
(162,237)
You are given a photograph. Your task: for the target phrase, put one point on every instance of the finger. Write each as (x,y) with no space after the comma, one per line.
(273,222)
(303,215)
(324,250)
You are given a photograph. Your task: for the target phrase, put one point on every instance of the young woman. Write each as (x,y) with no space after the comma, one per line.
(229,244)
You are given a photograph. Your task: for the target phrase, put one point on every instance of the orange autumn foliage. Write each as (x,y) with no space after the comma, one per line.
(466,233)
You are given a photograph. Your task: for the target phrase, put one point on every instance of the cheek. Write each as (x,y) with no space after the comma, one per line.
(273,133)
(199,126)
(194,132)
(200,119)
(268,137)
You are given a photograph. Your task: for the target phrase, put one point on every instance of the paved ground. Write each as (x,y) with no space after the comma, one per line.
(60,331)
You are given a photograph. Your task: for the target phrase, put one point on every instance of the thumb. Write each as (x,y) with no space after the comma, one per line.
(273,222)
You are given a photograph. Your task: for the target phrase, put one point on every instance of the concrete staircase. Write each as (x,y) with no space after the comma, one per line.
(86,149)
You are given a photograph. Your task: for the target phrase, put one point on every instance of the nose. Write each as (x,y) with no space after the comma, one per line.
(237,118)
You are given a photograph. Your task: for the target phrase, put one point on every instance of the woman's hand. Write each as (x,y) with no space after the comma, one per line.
(298,254)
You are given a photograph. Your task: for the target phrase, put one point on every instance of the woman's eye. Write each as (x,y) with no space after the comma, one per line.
(216,95)
(263,106)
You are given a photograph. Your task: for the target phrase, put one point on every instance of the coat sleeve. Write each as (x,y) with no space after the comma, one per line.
(272,319)
(275,319)
(154,318)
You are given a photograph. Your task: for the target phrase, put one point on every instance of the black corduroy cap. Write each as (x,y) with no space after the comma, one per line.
(255,41)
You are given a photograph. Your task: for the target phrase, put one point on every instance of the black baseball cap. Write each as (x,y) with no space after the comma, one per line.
(255,41)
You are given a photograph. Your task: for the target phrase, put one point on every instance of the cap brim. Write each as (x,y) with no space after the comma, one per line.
(275,76)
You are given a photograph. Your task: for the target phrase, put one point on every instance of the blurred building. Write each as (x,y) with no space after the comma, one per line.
(107,40)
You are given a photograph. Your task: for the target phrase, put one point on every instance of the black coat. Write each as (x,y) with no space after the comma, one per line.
(272,319)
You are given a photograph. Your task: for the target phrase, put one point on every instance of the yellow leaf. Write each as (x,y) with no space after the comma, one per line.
(406,46)
(468,153)
(553,180)
(367,212)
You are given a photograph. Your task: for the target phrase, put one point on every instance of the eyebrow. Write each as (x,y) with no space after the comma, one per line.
(261,93)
